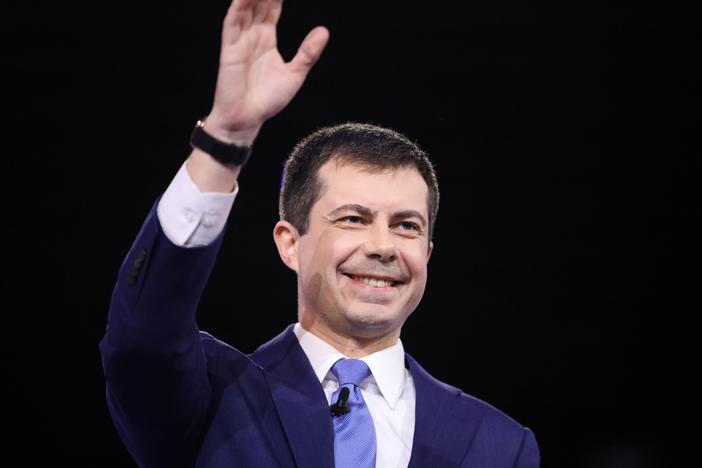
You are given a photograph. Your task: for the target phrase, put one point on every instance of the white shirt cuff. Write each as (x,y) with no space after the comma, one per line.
(191,218)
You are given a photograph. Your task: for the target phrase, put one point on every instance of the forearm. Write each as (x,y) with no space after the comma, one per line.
(156,368)
(154,364)
(159,284)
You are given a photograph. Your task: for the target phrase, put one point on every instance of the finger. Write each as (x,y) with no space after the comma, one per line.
(261,10)
(238,9)
(274,11)
(241,13)
(241,5)
(310,50)
(237,19)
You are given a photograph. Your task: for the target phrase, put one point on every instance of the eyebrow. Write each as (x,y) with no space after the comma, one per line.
(360,209)
(365,211)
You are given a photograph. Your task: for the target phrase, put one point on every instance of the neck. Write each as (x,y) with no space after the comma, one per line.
(349,345)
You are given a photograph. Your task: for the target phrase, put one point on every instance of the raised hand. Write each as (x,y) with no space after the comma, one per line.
(254,82)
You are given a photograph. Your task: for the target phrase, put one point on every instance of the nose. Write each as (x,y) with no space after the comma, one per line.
(379,245)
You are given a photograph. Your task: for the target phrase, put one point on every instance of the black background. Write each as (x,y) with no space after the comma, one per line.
(563,284)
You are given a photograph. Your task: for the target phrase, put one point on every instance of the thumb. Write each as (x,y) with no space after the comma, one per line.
(310,50)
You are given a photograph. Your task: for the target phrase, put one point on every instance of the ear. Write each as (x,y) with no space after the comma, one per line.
(287,240)
(430,249)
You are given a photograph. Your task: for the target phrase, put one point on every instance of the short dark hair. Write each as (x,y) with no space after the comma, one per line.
(370,146)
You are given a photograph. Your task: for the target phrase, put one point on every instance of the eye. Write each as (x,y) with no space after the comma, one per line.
(408,226)
(351,219)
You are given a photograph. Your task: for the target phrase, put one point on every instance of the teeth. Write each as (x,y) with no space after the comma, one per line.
(376,283)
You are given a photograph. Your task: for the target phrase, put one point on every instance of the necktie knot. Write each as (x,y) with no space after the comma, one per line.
(350,371)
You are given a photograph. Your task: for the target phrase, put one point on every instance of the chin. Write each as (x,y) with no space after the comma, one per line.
(370,324)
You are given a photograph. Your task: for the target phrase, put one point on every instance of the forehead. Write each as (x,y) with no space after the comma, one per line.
(393,189)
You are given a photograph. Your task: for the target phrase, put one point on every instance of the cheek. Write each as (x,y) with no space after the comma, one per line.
(313,286)
(325,253)
(418,269)
(416,258)
(320,278)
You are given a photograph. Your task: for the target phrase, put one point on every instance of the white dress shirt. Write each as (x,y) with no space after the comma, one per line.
(388,393)
(190,218)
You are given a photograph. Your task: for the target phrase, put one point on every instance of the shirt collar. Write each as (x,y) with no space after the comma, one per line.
(387,365)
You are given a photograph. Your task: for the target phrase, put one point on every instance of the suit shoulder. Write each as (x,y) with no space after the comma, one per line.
(224,360)
(466,406)
(492,416)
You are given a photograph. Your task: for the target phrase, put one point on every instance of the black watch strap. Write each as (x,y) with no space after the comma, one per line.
(226,153)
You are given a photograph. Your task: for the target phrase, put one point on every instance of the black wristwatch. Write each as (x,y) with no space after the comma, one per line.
(226,153)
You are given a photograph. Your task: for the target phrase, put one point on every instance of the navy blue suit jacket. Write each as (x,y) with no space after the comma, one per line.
(181,398)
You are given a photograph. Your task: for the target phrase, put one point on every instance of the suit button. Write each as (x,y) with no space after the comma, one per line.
(136,268)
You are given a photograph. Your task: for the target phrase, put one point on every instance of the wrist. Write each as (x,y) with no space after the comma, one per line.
(209,175)
(222,130)
(226,152)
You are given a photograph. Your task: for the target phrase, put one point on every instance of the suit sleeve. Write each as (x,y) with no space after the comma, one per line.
(529,456)
(158,391)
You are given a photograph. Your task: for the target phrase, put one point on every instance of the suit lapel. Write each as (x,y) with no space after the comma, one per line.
(444,425)
(299,399)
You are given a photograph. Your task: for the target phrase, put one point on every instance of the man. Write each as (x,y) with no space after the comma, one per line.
(357,209)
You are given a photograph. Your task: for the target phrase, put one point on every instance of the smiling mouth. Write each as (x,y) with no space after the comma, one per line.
(374,282)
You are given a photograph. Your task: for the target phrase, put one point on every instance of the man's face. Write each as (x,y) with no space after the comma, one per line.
(362,265)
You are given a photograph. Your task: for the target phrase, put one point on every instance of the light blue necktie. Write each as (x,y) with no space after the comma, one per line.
(354,432)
